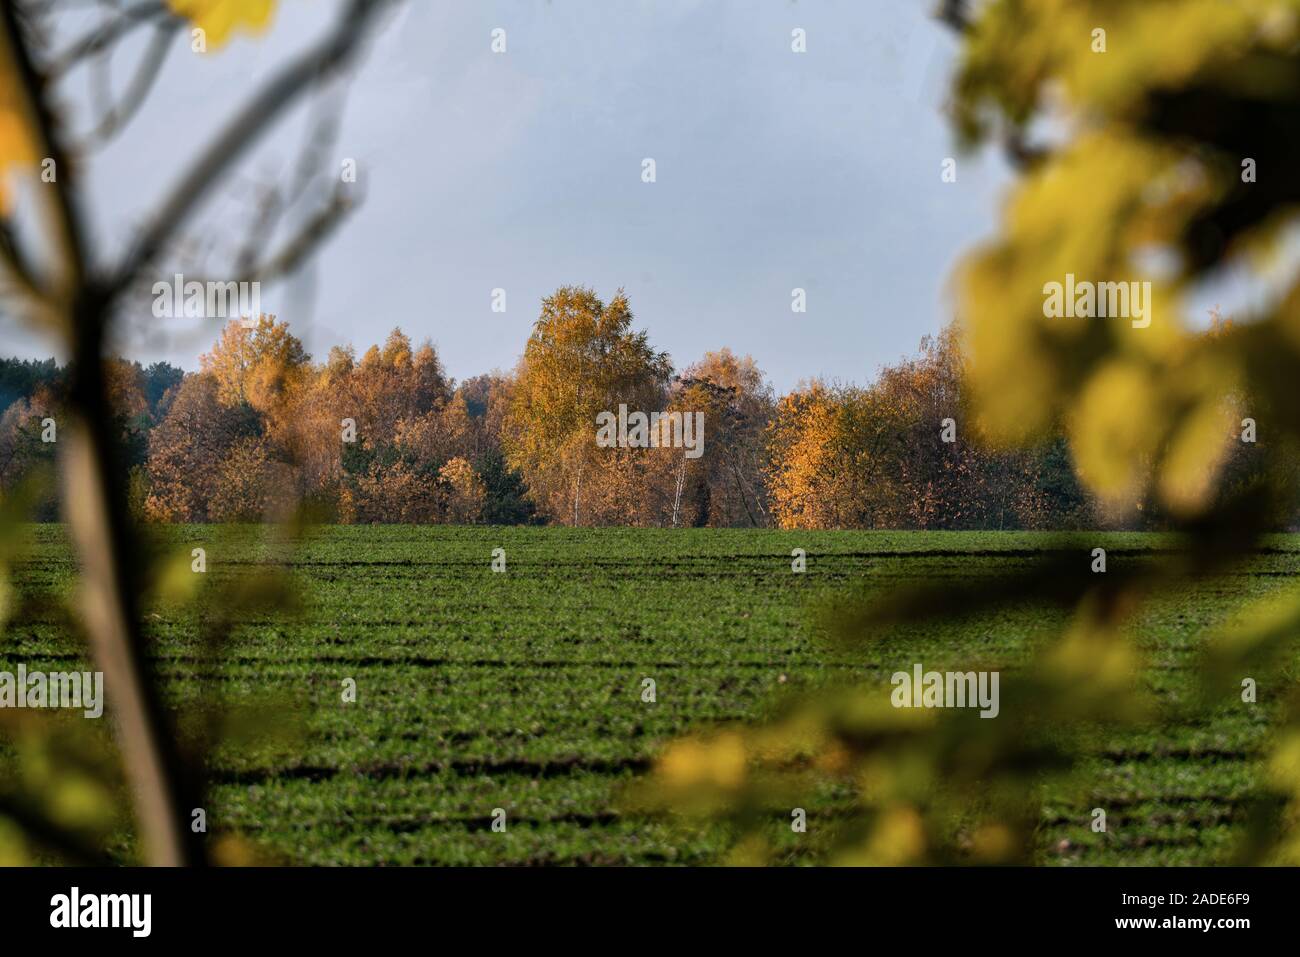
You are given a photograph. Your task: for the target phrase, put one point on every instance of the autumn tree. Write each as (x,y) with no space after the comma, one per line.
(903,452)
(126,395)
(255,364)
(23,448)
(487,400)
(582,358)
(396,384)
(737,404)
(409,423)
(820,451)
(392,491)
(251,484)
(465,492)
(188,449)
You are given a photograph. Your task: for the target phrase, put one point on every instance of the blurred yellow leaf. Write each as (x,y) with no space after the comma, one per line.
(1284,762)
(750,851)
(993,843)
(1254,637)
(218,19)
(15,141)
(13,846)
(54,767)
(694,763)
(897,838)
(1115,430)
(6,597)
(1198,448)
(177,581)
(231,850)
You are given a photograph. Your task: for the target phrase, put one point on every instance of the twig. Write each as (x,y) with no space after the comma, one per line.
(256,116)
(119,114)
(315,231)
(103,37)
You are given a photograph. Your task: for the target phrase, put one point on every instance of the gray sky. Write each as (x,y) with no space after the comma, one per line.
(522,170)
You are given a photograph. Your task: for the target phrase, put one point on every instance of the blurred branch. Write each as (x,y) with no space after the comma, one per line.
(277,202)
(293,253)
(94,504)
(94,496)
(119,114)
(955,14)
(314,232)
(257,115)
(104,37)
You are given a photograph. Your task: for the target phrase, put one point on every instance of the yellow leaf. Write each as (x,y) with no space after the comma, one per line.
(1284,762)
(718,763)
(1115,430)
(218,19)
(13,845)
(897,839)
(1198,450)
(15,142)
(993,843)
(177,581)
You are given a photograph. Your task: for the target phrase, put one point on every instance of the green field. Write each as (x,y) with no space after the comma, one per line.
(522,691)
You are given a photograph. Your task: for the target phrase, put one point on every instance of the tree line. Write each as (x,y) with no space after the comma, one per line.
(261,430)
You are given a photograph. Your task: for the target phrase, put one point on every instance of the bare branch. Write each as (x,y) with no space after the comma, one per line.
(263,225)
(104,37)
(253,120)
(309,238)
(121,113)
(277,203)
(297,250)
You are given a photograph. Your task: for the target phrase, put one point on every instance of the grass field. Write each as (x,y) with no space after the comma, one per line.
(522,691)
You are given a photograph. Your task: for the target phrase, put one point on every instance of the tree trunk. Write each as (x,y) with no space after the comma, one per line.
(577,493)
(677,492)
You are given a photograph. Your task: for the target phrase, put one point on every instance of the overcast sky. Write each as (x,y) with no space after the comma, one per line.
(522,171)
